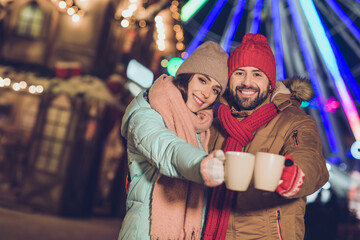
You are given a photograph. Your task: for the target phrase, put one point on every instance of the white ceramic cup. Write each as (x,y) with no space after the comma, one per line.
(268,170)
(239,168)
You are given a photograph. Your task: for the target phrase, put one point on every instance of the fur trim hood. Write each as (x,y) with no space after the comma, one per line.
(300,88)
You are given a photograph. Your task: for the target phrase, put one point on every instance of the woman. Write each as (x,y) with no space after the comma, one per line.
(167,131)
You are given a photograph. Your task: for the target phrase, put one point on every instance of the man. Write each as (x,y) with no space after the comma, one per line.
(255,119)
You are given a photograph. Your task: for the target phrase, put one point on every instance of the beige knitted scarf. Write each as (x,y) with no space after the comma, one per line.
(177,205)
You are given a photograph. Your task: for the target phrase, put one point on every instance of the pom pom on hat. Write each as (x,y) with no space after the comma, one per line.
(254,51)
(208,59)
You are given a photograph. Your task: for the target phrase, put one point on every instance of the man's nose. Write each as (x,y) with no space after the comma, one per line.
(247,80)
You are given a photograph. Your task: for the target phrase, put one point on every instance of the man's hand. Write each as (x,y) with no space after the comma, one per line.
(212,168)
(292,178)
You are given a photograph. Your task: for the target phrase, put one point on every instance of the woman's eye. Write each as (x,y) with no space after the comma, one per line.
(202,80)
(216,91)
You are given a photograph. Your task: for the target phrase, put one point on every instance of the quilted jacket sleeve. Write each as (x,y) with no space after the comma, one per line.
(173,156)
(303,143)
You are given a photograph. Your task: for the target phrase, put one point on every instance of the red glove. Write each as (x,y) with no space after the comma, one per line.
(292,178)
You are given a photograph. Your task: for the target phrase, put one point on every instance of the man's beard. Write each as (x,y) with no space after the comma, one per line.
(246,103)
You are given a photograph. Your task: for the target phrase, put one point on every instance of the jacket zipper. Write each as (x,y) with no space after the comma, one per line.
(278,224)
(295,137)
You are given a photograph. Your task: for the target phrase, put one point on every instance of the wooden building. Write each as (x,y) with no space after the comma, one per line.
(60,150)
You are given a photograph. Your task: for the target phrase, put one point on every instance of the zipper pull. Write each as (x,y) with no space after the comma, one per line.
(295,137)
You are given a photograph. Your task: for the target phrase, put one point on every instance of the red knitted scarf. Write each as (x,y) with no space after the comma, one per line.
(240,134)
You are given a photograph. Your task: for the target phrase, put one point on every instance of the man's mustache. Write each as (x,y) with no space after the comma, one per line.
(238,88)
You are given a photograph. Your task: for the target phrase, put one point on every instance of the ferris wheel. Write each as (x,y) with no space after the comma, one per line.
(316,39)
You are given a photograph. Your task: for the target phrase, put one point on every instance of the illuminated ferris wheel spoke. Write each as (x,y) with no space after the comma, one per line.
(255,27)
(279,55)
(344,18)
(346,73)
(318,88)
(205,27)
(230,33)
(330,62)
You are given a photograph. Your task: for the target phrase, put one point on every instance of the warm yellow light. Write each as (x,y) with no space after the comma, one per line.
(132,7)
(39,89)
(7,81)
(124,23)
(126,13)
(70,11)
(161,36)
(158,19)
(177,27)
(32,89)
(173,8)
(23,84)
(16,86)
(62,5)
(180,46)
(179,36)
(161,47)
(69,2)
(164,63)
(81,13)
(142,23)
(176,15)
(75,18)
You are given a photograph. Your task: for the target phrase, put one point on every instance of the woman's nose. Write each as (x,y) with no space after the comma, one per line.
(206,92)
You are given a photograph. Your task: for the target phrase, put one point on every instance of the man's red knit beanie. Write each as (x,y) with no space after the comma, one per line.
(254,51)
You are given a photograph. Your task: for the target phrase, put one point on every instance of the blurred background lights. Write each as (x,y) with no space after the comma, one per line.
(23,84)
(327,186)
(32,89)
(7,81)
(304,104)
(16,86)
(62,5)
(355,150)
(75,18)
(139,74)
(332,105)
(39,89)
(173,65)
(124,23)
(164,63)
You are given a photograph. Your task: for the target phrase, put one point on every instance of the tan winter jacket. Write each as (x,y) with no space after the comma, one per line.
(258,214)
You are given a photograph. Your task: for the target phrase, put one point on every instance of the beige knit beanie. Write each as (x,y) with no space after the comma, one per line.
(208,59)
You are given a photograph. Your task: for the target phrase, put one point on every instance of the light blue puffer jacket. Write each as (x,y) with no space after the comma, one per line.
(152,149)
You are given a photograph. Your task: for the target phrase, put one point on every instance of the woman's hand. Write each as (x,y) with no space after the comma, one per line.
(212,168)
